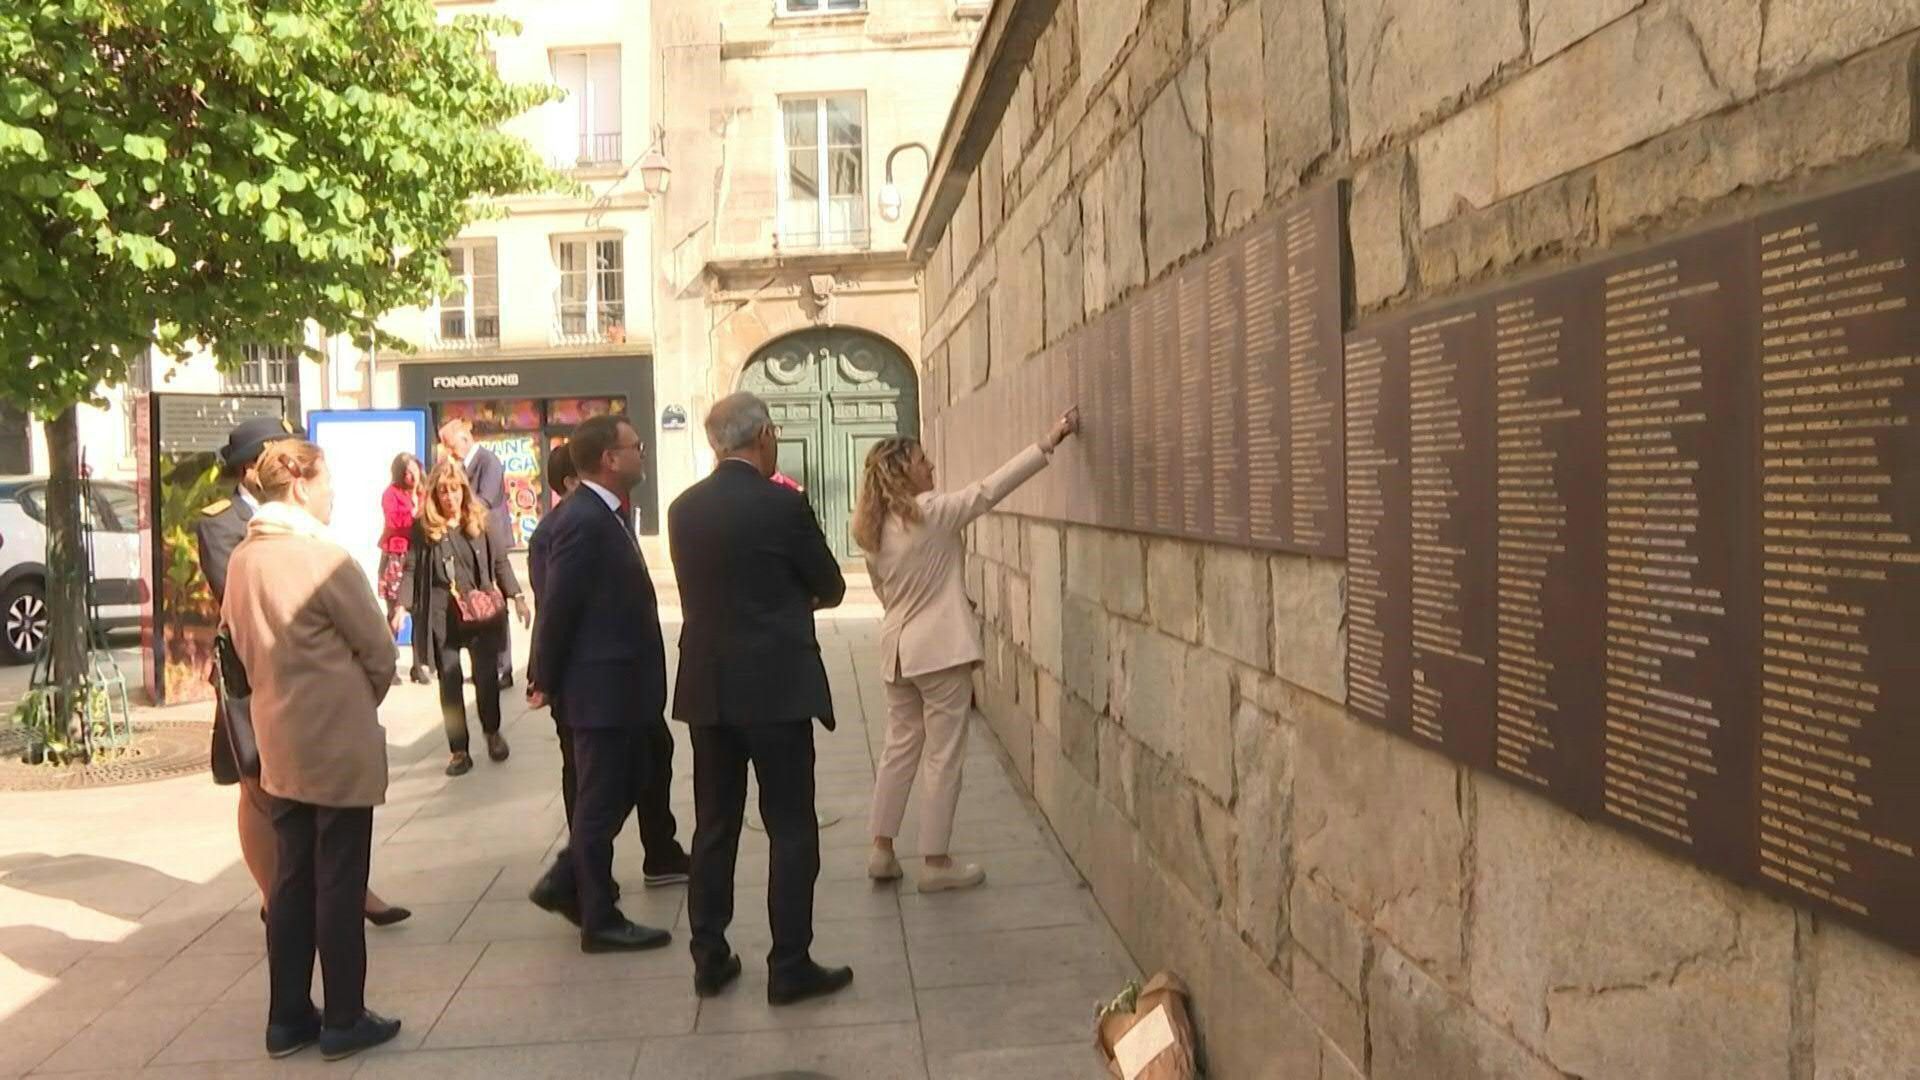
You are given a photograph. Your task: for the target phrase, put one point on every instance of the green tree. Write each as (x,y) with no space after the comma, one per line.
(179,174)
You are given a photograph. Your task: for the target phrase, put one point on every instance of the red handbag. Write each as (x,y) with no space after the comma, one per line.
(475,607)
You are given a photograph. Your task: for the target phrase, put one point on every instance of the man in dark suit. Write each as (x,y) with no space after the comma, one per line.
(752,567)
(488,478)
(652,774)
(598,653)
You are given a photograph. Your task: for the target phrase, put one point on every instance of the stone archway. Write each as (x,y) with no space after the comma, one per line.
(834,393)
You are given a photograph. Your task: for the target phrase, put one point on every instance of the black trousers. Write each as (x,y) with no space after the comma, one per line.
(652,784)
(485,647)
(603,761)
(319,894)
(782,758)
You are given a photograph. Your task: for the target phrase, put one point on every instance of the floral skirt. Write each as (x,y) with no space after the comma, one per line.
(393,566)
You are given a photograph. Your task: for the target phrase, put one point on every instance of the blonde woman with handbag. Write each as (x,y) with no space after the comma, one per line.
(459,580)
(911,536)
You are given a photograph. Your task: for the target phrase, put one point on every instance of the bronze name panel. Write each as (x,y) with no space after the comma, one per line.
(1212,400)
(1644,536)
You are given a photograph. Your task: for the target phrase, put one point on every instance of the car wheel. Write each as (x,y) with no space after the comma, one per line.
(23,621)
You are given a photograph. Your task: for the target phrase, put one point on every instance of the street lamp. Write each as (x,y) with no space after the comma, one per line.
(889,194)
(655,173)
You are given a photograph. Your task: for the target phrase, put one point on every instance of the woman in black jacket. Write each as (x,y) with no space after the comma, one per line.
(454,553)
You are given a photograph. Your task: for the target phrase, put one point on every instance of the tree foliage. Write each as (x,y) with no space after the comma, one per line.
(176,173)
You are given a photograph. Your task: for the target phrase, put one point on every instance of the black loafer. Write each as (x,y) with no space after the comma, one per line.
(422,676)
(547,897)
(459,764)
(812,982)
(388,916)
(708,981)
(369,1031)
(285,1040)
(626,936)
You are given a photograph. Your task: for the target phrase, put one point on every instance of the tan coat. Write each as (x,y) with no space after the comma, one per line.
(320,658)
(919,573)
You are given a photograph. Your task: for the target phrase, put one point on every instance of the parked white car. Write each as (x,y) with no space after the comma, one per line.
(23,561)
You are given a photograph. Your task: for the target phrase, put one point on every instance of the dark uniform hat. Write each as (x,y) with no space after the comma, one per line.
(252,436)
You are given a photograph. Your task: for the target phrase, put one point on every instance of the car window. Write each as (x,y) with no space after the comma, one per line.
(119,508)
(33,499)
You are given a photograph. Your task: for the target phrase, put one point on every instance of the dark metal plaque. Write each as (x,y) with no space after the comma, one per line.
(1211,401)
(1675,333)
(1379,567)
(1693,610)
(1838,514)
(1450,454)
(1315,317)
(1549,458)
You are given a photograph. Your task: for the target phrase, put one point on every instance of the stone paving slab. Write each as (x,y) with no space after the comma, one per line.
(130,942)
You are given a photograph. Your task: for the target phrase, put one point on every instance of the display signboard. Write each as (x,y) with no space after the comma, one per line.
(361,445)
(179,478)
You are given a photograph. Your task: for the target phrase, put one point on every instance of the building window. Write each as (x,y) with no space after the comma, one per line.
(267,369)
(820,7)
(588,127)
(264,369)
(823,179)
(592,303)
(469,314)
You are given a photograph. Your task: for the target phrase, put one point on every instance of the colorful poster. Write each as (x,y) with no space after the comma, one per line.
(180,481)
(524,459)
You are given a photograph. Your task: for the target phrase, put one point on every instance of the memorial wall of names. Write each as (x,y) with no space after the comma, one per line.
(1211,400)
(1641,536)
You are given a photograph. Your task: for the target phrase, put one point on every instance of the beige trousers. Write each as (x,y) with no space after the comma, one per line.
(926,733)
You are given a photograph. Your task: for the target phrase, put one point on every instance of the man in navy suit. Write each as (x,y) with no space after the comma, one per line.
(487,475)
(598,654)
(666,861)
(752,567)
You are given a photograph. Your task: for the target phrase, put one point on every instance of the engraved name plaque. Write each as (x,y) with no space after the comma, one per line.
(1644,536)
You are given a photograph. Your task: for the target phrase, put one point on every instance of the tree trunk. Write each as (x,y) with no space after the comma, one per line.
(68,621)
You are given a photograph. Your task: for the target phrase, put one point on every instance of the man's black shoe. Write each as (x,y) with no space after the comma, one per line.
(369,1031)
(506,680)
(813,981)
(547,897)
(627,936)
(669,871)
(285,1040)
(708,981)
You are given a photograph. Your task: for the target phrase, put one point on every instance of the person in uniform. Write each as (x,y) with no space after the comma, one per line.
(222,525)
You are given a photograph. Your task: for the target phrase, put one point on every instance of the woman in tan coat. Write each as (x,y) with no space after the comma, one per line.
(319,660)
(929,643)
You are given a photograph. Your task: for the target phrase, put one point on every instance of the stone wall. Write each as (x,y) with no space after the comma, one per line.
(1343,903)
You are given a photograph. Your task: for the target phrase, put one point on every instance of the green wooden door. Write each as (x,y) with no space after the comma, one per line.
(834,393)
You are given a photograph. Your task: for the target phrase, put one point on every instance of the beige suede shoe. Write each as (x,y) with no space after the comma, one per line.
(882,866)
(944,878)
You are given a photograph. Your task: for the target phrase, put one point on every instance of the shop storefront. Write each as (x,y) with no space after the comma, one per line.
(521,408)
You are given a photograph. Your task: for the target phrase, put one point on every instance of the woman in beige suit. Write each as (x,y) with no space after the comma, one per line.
(319,661)
(929,643)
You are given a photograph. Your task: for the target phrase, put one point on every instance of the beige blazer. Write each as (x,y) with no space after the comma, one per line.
(919,574)
(320,658)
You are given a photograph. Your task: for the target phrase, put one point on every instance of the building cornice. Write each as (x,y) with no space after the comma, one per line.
(1005,46)
(724,268)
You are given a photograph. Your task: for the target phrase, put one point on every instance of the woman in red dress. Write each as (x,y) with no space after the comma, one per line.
(399,505)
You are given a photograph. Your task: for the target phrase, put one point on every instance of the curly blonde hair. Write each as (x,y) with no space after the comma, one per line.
(885,488)
(472,518)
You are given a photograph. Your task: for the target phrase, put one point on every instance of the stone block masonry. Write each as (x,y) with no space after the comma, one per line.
(1343,903)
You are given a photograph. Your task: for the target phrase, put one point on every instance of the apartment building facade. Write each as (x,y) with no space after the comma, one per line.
(795,131)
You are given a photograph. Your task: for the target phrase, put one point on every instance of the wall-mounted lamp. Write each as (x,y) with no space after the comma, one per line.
(655,173)
(889,194)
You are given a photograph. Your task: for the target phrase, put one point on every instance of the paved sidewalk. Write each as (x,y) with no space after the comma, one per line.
(130,943)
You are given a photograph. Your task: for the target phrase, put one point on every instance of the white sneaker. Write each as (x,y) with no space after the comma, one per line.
(943,878)
(882,866)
